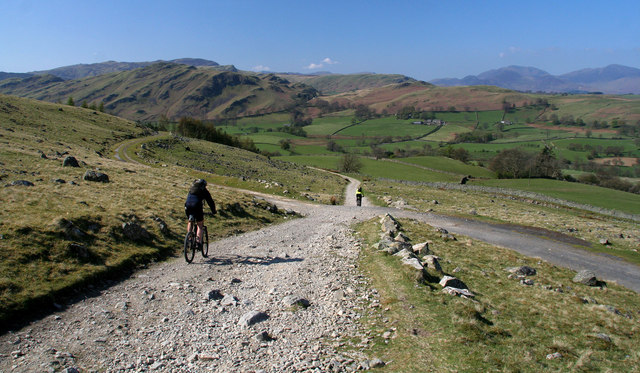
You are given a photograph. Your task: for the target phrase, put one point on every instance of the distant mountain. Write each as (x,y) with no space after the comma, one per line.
(613,79)
(601,75)
(4,75)
(168,89)
(329,84)
(80,71)
(84,70)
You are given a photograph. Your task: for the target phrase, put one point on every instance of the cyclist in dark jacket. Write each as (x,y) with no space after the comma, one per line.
(193,206)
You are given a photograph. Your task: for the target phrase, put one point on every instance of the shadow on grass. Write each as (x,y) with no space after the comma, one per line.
(16,316)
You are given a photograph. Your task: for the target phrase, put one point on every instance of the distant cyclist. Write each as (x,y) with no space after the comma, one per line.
(359,196)
(193,206)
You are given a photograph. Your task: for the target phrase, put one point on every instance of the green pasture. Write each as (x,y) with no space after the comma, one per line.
(596,107)
(518,133)
(450,165)
(447,132)
(270,137)
(388,126)
(629,146)
(277,119)
(484,152)
(575,192)
(329,162)
(327,125)
(522,115)
(384,168)
(272,148)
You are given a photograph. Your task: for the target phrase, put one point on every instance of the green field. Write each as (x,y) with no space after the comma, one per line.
(575,192)
(450,165)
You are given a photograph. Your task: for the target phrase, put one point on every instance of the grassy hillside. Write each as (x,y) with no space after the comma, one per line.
(238,168)
(64,232)
(168,89)
(336,83)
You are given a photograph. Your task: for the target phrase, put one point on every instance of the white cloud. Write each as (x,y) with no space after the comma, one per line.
(261,68)
(502,54)
(326,61)
(329,61)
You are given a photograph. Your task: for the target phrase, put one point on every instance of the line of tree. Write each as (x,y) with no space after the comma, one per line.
(191,127)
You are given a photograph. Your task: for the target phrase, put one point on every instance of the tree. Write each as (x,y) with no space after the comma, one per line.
(350,163)
(101,107)
(285,144)
(461,154)
(511,163)
(70,101)
(546,165)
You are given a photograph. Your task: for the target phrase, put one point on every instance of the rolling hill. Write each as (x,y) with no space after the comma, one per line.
(80,71)
(168,89)
(427,97)
(330,84)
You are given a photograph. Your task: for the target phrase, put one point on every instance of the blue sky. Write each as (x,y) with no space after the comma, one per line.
(422,39)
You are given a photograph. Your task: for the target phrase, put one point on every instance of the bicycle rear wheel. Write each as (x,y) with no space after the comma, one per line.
(205,242)
(189,247)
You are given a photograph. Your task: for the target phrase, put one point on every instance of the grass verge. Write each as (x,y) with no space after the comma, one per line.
(508,326)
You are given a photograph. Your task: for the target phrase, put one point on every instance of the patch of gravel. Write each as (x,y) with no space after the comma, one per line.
(281,299)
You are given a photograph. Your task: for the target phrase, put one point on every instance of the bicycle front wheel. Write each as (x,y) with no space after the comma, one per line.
(205,242)
(189,247)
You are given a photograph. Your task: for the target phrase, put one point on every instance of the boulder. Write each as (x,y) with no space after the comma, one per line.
(135,232)
(229,300)
(264,337)
(413,263)
(389,224)
(295,300)
(586,277)
(91,175)
(70,161)
(382,244)
(69,229)
(522,271)
(252,317)
(421,249)
(214,294)
(394,247)
(164,229)
(432,262)
(450,281)
(465,293)
(21,183)
(405,254)
(401,237)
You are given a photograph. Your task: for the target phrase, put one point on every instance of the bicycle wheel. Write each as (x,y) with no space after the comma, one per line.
(189,247)
(205,242)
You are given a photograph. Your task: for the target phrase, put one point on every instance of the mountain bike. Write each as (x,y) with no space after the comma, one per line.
(191,243)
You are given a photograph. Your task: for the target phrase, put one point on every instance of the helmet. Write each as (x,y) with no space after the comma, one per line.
(200,182)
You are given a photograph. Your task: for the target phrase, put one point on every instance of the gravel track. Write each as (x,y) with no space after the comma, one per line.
(170,317)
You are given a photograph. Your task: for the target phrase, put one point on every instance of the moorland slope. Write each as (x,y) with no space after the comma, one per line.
(168,90)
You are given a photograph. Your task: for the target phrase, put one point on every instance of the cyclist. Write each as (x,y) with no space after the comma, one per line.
(359,196)
(193,206)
